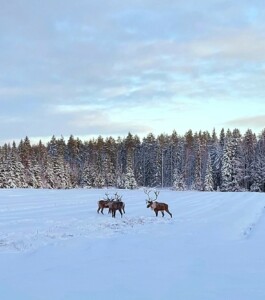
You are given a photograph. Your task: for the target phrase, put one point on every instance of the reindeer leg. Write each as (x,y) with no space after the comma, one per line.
(162,213)
(156,212)
(120,212)
(169,213)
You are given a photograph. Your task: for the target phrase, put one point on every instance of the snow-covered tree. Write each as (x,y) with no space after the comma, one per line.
(208,180)
(179,181)
(129,179)
(87,176)
(232,166)
(12,172)
(258,166)
(198,181)
(248,145)
(108,171)
(150,161)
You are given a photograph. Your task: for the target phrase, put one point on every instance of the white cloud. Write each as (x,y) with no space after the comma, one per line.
(246,45)
(99,66)
(251,122)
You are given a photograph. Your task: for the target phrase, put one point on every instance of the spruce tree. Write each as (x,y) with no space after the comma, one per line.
(179,181)
(232,166)
(208,180)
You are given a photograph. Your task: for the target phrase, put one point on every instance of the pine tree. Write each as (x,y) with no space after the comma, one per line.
(182,162)
(12,172)
(189,158)
(232,167)
(222,138)
(108,171)
(99,180)
(208,181)
(258,174)
(30,176)
(150,160)
(87,179)
(120,179)
(37,175)
(48,173)
(129,179)
(25,152)
(61,173)
(249,145)
(216,153)
(178,181)
(198,182)
(258,166)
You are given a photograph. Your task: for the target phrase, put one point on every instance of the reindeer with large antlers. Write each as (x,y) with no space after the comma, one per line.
(156,206)
(115,205)
(104,203)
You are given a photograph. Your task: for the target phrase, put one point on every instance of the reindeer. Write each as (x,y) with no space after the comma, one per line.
(156,206)
(115,205)
(118,199)
(104,204)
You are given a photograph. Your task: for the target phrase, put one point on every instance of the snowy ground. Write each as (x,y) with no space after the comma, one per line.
(54,245)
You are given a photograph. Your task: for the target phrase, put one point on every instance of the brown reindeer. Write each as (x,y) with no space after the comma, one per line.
(104,203)
(115,205)
(156,206)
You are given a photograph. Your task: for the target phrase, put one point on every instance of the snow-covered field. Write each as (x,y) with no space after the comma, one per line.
(54,246)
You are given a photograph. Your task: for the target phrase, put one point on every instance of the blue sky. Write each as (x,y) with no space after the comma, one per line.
(92,68)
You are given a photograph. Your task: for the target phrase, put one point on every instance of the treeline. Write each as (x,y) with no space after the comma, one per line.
(199,161)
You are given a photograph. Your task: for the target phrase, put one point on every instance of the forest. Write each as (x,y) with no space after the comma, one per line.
(202,161)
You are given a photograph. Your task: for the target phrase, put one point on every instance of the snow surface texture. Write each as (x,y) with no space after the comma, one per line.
(54,245)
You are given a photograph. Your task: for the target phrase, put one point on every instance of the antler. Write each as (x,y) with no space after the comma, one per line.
(156,194)
(117,197)
(147,192)
(107,197)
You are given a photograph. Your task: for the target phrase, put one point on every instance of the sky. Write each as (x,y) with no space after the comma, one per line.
(89,68)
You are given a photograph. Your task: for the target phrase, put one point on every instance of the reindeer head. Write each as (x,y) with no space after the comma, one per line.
(149,201)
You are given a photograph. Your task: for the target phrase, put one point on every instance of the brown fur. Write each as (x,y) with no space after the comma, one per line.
(158,206)
(103,204)
(116,205)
